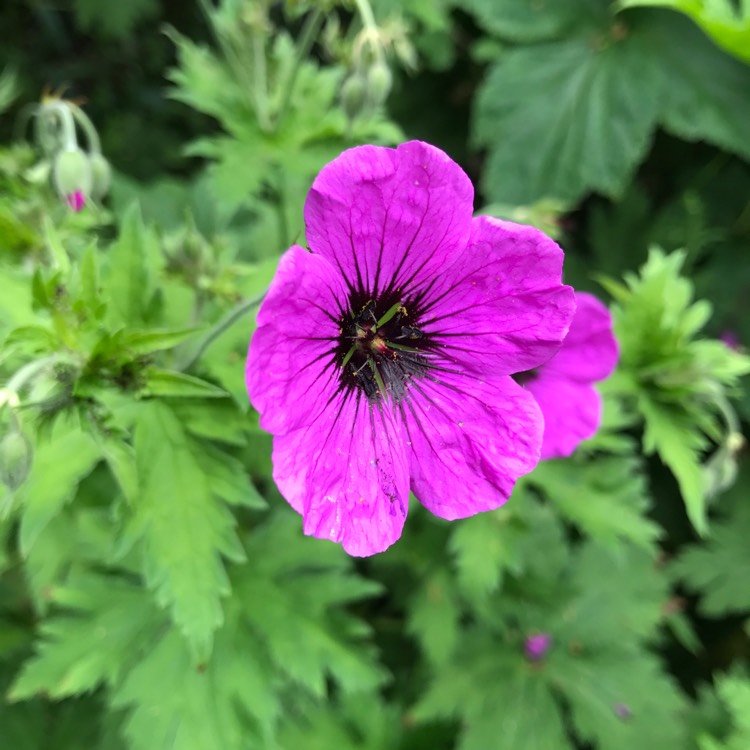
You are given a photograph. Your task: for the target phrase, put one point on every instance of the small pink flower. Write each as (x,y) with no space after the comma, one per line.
(76,200)
(731,339)
(536,646)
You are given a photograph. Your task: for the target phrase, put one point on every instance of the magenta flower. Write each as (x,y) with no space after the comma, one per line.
(76,200)
(536,646)
(564,386)
(383,356)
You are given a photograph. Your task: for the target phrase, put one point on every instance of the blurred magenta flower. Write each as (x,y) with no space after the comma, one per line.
(731,339)
(564,386)
(383,356)
(536,646)
(76,200)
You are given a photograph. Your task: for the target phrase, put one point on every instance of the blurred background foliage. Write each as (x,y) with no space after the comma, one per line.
(156,591)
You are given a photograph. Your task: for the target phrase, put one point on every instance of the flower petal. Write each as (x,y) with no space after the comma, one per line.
(291,373)
(572,412)
(502,308)
(470,441)
(589,352)
(347,475)
(386,216)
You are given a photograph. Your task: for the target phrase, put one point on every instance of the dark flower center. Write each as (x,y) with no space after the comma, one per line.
(525,377)
(381,348)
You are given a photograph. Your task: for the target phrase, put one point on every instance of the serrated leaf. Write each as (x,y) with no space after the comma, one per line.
(59,463)
(103,624)
(485,547)
(230,480)
(608,703)
(129,281)
(216,420)
(545,113)
(727,24)
(139,343)
(503,702)
(534,20)
(705,94)
(176,384)
(120,458)
(434,614)
(605,497)
(719,569)
(185,528)
(669,433)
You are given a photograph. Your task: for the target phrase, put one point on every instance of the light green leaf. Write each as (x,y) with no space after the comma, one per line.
(185,528)
(669,433)
(104,622)
(132,260)
(177,385)
(138,343)
(60,462)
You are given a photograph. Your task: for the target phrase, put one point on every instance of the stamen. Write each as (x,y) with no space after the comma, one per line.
(389,314)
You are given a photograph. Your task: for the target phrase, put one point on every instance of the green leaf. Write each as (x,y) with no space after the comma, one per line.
(533,20)
(60,462)
(185,528)
(503,702)
(727,24)
(132,261)
(175,384)
(434,614)
(139,343)
(115,21)
(545,113)
(734,692)
(718,569)
(103,623)
(605,497)
(669,432)
(609,706)
(485,547)
(705,91)
(229,478)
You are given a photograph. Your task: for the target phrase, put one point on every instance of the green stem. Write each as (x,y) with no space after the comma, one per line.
(224,324)
(261,81)
(372,34)
(307,38)
(365,11)
(88,128)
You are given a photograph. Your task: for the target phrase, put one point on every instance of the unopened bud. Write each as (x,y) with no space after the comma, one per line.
(15,459)
(379,82)
(536,646)
(71,174)
(101,174)
(353,94)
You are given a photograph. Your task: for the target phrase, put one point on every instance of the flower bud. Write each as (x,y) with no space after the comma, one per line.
(379,82)
(101,174)
(15,459)
(71,174)
(353,94)
(536,646)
